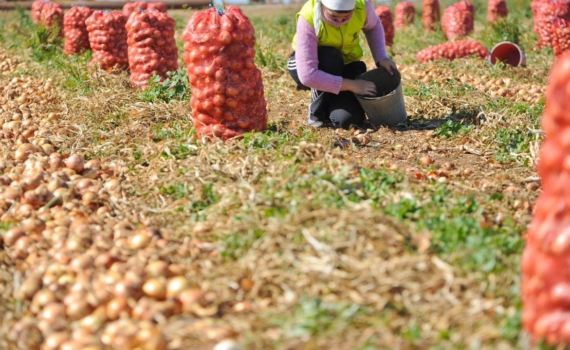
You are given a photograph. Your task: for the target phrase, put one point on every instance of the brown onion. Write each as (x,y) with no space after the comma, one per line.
(75,162)
(176,285)
(155,288)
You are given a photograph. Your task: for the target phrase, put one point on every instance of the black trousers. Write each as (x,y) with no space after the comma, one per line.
(342,110)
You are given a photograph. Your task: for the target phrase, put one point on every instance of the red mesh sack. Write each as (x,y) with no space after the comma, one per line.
(452,50)
(51,16)
(75,30)
(36,10)
(405,14)
(560,36)
(227,89)
(129,7)
(496,9)
(545,275)
(152,48)
(458,20)
(108,39)
(431,14)
(385,15)
(545,12)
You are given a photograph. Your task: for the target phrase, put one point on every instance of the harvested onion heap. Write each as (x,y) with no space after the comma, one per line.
(405,14)
(227,89)
(8,64)
(108,40)
(383,12)
(496,9)
(431,14)
(545,280)
(152,48)
(36,10)
(458,19)
(560,36)
(130,7)
(88,280)
(504,87)
(76,35)
(453,50)
(51,17)
(545,13)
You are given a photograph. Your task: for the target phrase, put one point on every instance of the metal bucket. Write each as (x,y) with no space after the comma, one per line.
(388,108)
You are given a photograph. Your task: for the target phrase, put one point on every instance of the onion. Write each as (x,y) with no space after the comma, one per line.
(78,309)
(12,235)
(75,162)
(52,312)
(116,307)
(31,182)
(24,151)
(33,225)
(139,240)
(82,263)
(56,160)
(41,299)
(93,164)
(29,288)
(48,148)
(155,288)
(156,268)
(188,298)
(176,285)
(55,340)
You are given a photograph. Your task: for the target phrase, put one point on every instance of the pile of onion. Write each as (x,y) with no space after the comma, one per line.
(405,14)
(152,48)
(385,15)
(545,277)
(431,14)
(227,89)
(452,50)
(496,9)
(108,40)
(89,278)
(458,19)
(76,35)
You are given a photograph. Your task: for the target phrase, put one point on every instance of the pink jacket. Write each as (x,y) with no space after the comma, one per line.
(306,51)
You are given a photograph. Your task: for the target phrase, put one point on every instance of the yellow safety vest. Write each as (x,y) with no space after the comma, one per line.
(346,38)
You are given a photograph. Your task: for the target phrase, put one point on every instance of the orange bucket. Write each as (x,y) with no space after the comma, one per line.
(509,53)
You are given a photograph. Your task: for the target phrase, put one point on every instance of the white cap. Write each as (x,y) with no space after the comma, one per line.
(339,5)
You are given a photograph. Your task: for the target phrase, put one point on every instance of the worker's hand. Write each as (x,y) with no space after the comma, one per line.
(388,65)
(364,88)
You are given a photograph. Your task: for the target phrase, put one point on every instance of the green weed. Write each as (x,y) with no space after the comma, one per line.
(174,87)
(453,128)
(177,191)
(511,143)
(314,316)
(175,130)
(207,197)
(236,244)
(270,58)
(180,151)
(505,29)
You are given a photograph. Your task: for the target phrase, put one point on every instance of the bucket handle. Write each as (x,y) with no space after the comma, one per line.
(373,98)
